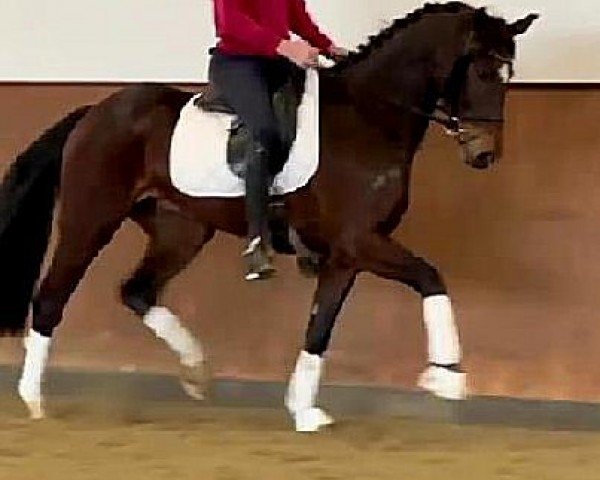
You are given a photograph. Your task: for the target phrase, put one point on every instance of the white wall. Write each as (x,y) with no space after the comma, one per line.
(166,40)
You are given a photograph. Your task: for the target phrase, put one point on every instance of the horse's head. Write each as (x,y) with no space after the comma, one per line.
(473,93)
(446,62)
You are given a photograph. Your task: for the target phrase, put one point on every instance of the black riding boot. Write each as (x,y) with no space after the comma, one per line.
(258,251)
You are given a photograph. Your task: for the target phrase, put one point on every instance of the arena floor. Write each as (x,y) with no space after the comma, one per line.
(122,440)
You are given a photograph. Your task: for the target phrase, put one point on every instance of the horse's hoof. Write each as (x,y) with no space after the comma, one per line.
(444,383)
(36,410)
(311,420)
(194,380)
(32,401)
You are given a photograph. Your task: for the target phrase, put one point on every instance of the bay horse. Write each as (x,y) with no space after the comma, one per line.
(108,162)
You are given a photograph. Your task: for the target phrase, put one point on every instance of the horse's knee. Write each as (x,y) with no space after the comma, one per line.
(139,293)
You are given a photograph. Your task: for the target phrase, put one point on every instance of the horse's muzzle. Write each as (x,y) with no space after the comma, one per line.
(481,145)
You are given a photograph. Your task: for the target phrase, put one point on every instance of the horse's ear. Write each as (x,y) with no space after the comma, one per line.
(479,25)
(521,26)
(480,18)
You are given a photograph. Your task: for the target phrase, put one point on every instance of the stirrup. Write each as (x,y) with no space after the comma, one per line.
(258,261)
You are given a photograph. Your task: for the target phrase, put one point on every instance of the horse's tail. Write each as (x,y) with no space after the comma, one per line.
(27,198)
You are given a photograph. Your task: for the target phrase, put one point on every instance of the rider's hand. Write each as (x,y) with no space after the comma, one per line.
(338,53)
(299,52)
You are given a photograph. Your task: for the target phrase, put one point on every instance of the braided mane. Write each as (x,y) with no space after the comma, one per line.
(376,41)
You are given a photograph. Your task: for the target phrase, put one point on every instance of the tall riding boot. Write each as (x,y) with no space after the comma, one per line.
(258,182)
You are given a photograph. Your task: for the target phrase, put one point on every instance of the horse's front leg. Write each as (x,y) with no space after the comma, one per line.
(333,287)
(388,259)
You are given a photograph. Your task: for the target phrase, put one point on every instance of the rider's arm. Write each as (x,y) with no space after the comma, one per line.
(303,25)
(238,26)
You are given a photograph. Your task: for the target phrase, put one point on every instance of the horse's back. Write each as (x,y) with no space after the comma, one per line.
(127,115)
(112,139)
(132,103)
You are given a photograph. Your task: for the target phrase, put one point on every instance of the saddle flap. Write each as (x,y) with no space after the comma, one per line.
(198,164)
(286,102)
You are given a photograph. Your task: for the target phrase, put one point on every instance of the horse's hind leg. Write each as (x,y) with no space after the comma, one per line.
(85,226)
(174,241)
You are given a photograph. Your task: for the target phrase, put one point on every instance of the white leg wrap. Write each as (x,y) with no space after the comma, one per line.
(304,382)
(302,394)
(444,349)
(167,327)
(37,348)
(444,345)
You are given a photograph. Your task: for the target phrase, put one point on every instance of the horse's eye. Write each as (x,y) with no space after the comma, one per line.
(487,74)
(503,65)
(505,72)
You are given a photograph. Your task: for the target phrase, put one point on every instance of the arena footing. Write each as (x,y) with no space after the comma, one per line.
(340,400)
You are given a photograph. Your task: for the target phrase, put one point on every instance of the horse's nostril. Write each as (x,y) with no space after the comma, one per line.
(483,160)
(486,157)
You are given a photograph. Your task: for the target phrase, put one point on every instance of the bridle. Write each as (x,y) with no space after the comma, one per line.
(451,122)
(449,118)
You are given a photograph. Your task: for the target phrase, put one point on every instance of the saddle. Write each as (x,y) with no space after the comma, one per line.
(240,146)
(286,101)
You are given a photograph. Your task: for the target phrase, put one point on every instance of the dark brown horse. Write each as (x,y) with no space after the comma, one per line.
(441,63)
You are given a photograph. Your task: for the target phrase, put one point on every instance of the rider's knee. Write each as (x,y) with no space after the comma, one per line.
(268,137)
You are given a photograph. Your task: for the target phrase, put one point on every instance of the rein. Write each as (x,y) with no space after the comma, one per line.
(452,124)
(451,121)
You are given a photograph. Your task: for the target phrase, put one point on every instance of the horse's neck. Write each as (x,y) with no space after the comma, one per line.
(353,136)
(399,133)
(400,76)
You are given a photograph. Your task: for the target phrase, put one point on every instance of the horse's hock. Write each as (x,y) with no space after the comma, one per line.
(517,247)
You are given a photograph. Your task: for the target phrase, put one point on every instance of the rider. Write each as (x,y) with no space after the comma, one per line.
(250,62)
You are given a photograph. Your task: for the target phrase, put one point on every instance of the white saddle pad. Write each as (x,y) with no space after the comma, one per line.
(198,157)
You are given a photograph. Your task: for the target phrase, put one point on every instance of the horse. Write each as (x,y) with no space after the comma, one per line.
(443,63)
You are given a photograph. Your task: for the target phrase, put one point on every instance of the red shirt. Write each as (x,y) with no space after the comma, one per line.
(256,27)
